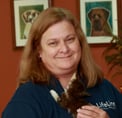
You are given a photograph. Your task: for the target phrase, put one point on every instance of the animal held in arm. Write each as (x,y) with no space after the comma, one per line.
(74,96)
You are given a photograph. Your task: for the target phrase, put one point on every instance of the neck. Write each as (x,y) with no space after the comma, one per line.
(65,79)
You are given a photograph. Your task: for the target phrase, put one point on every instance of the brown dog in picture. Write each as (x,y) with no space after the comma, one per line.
(98,18)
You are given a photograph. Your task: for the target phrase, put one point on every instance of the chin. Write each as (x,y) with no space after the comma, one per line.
(68,68)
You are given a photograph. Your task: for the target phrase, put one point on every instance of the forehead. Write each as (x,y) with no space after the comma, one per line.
(98,11)
(59,29)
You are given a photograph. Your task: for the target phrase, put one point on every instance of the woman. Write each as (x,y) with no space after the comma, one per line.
(55,56)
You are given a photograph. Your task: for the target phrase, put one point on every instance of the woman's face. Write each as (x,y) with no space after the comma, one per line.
(60,48)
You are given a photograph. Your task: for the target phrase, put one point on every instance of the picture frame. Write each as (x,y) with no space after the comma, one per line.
(98,18)
(25,12)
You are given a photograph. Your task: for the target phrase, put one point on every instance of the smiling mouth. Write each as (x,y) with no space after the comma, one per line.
(65,57)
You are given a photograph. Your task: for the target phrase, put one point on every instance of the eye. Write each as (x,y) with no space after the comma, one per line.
(93,16)
(52,43)
(99,15)
(70,39)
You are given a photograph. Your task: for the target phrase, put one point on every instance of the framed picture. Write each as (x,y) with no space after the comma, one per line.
(25,12)
(99,20)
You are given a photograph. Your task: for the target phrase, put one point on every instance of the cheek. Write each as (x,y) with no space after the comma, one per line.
(77,47)
(77,50)
(47,53)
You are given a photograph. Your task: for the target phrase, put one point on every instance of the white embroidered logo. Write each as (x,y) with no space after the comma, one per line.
(106,105)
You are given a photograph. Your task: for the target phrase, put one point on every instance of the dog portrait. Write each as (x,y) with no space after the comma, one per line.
(98,18)
(28,18)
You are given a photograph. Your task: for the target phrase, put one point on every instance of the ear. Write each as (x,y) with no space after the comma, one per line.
(89,14)
(24,17)
(39,52)
(106,13)
(40,56)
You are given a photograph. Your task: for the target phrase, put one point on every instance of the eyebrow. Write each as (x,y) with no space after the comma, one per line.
(67,36)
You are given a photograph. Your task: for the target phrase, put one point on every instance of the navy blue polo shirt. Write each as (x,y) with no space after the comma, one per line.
(35,101)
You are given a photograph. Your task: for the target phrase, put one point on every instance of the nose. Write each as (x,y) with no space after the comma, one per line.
(96,16)
(64,48)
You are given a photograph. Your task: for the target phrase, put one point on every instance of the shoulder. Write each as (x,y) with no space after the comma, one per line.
(107,84)
(27,99)
(29,91)
(106,90)
(30,86)
(107,87)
